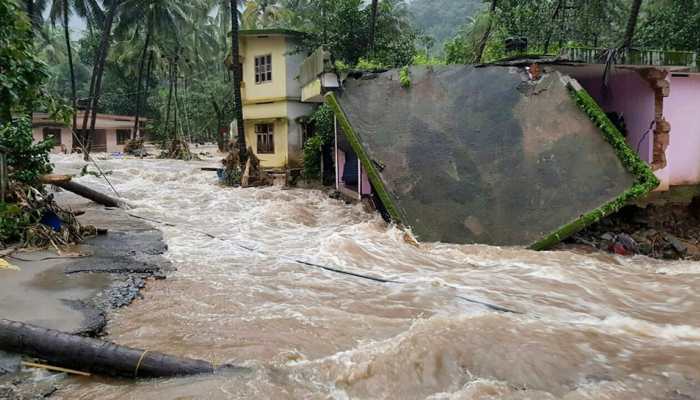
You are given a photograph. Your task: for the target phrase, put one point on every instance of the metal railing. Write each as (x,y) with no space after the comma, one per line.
(315,65)
(4,174)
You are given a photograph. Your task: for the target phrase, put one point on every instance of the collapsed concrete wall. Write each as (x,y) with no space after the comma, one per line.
(489,155)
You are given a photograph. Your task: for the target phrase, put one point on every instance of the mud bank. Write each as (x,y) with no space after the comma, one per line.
(75,291)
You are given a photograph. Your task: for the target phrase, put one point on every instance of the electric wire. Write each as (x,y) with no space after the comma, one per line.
(323,267)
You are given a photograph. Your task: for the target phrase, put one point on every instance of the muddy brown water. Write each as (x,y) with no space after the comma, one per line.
(591,326)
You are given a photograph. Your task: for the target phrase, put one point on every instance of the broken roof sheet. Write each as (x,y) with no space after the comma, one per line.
(484,155)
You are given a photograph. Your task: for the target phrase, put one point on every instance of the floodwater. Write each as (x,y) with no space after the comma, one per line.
(587,327)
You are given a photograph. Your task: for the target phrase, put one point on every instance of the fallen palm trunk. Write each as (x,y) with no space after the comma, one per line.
(92,355)
(89,194)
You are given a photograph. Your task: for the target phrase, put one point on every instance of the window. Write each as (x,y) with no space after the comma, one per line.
(263,69)
(266,138)
(53,133)
(123,136)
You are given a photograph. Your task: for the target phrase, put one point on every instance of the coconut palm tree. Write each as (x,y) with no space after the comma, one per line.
(97,72)
(260,14)
(62,9)
(160,17)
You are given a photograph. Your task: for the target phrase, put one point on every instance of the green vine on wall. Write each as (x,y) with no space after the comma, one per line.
(645,180)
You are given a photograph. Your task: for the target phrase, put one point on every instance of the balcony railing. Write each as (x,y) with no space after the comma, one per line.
(633,57)
(315,65)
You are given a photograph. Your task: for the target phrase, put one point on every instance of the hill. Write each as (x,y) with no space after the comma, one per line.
(442,19)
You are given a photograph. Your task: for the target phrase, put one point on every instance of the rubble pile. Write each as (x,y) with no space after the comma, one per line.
(54,227)
(178,149)
(135,147)
(664,232)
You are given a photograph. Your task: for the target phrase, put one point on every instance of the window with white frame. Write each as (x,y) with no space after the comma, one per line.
(266,138)
(263,69)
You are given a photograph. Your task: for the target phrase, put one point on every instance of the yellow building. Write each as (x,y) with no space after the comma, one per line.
(271,92)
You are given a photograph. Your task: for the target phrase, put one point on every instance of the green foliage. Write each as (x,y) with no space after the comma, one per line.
(323,125)
(312,157)
(546,29)
(405,77)
(21,93)
(27,161)
(422,58)
(364,64)
(672,25)
(21,72)
(13,221)
(342,26)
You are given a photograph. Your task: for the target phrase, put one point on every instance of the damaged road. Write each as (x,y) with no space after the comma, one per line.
(74,291)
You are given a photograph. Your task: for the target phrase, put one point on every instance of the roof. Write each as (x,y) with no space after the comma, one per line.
(102,121)
(486,155)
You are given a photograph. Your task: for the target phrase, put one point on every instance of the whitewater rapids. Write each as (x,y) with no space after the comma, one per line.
(587,327)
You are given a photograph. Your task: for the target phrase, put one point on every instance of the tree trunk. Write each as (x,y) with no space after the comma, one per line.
(74,95)
(219,136)
(170,97)
(89,194)
(149,83)
(175,113)
(555,15)
(99,71)
(149,29)
(485,38)
(93,355)
(373,26)
(238,102)
(632,24)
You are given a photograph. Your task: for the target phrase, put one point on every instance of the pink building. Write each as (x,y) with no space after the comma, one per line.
(351,179)
(112,132)
(654,97)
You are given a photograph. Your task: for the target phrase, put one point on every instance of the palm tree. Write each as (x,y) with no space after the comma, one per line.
(260,14)
(96,80)
(238,106)
(60,8)
(160,17)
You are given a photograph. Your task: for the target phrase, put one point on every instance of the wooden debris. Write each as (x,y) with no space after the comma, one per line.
(178,149)
(134,147)
(89,194)
(55,369)
(253,174)
(54,179)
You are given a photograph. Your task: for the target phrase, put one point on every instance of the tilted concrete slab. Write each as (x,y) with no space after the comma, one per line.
(487,155)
